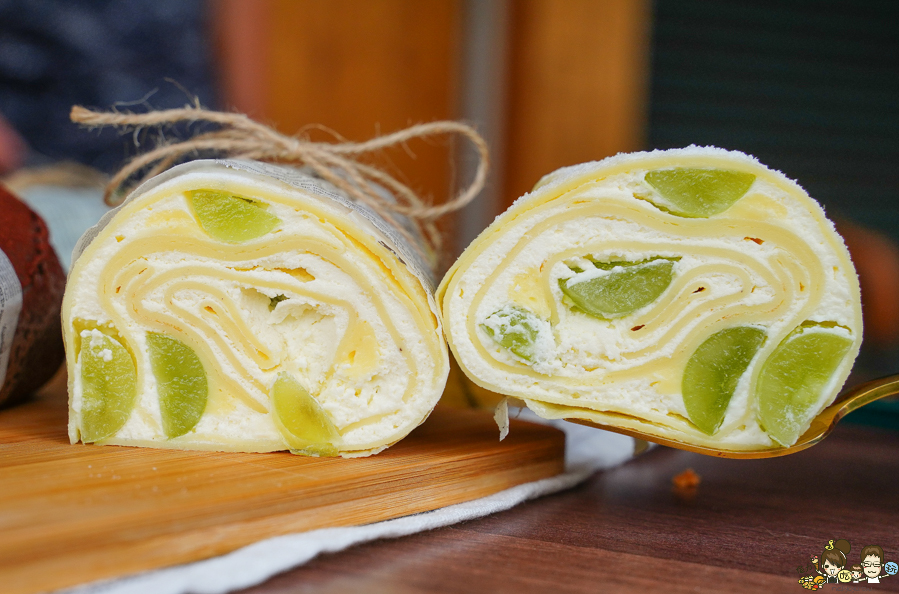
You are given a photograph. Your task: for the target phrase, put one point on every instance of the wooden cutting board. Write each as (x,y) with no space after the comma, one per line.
(71,514)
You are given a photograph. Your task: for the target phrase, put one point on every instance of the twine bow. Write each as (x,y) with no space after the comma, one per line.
(239,137)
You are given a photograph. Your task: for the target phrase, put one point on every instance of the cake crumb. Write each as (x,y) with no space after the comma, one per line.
(686,484)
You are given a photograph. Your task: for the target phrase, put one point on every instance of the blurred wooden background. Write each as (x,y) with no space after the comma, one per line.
(574,87)
(578,85)
(358,68)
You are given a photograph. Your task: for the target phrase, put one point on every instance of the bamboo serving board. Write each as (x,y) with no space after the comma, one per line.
(71,514)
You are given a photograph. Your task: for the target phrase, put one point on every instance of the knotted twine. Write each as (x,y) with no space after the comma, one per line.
(239,137)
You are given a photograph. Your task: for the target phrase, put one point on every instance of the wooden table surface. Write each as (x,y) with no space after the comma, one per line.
(747,528)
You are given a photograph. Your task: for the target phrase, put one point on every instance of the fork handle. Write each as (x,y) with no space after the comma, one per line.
(868,392)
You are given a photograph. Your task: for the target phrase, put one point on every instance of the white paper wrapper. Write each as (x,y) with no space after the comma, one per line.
(10,307)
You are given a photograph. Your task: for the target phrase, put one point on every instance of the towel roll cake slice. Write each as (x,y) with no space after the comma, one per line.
(690,294)
(237,306)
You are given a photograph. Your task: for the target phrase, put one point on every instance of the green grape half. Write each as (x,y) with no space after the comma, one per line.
(231,218)
(712,374)
(793,379)
(180,382)
(626,287)
(108,387)
(699,193)
(515,329)
(304,424)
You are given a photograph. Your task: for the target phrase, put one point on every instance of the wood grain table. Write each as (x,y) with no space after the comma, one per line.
(747,528)
(73,514)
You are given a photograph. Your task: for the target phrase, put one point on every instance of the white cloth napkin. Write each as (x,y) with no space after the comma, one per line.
(587,451)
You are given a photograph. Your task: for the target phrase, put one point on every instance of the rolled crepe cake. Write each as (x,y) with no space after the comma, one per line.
(693,295)
(237,306)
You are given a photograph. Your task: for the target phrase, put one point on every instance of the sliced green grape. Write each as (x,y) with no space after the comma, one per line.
(514,328)
(108,386)
(699,193)
(712,374)
(274,301)
(231,218)
(793,379)
(627,287)
(304,424)
(180,382)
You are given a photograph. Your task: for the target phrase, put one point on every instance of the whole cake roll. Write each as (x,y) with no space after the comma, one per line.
(238,306)
(693,295)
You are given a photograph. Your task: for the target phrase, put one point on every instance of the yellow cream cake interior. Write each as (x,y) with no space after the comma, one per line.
(228,306)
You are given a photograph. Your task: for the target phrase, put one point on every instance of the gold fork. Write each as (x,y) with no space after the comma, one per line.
(821,426)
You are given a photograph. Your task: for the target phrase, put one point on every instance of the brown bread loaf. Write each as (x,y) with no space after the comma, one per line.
(37,350)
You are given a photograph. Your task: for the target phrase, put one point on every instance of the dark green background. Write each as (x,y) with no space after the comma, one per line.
(809,87)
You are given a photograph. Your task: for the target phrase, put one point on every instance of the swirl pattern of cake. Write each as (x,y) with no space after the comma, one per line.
(690,294)
(241,307)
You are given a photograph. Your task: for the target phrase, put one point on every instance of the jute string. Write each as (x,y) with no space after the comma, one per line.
(239,137)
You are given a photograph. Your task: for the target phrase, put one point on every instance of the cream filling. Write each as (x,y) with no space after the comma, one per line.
(769,261)
(358,339)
